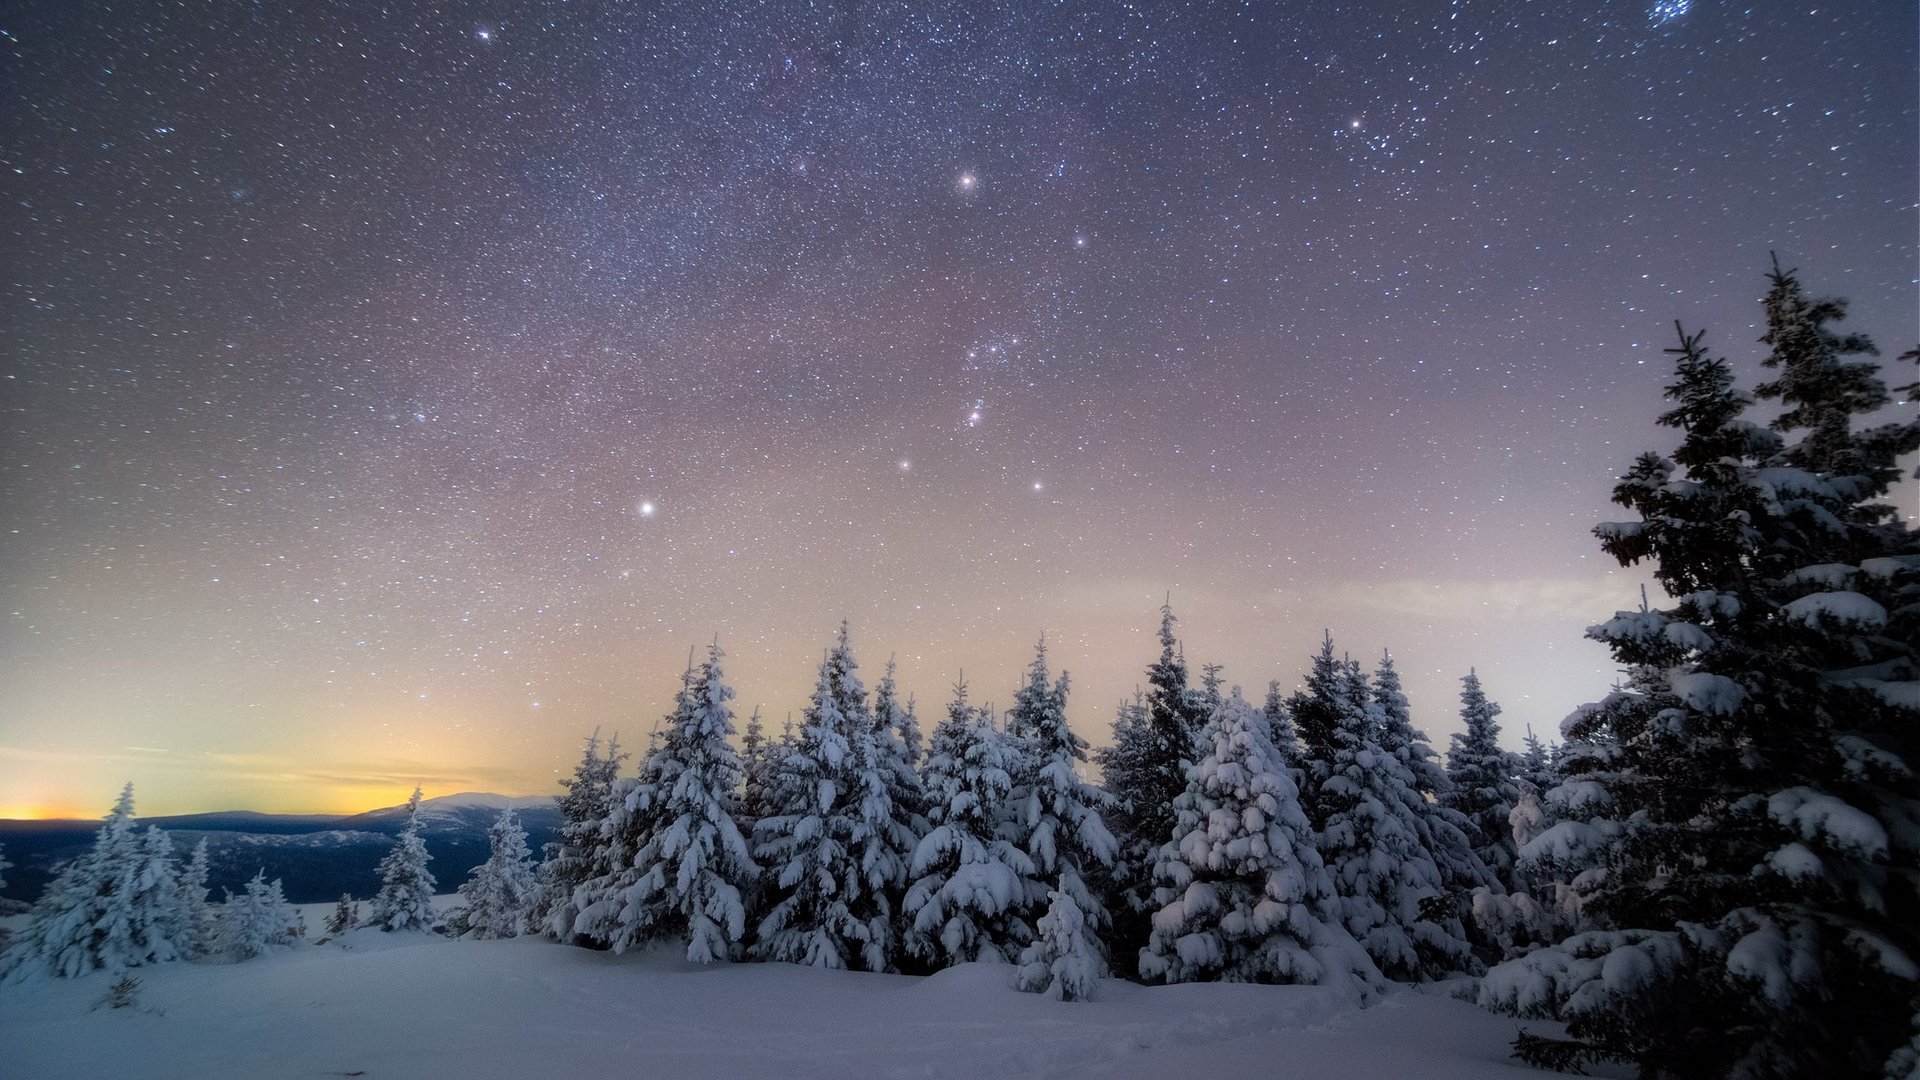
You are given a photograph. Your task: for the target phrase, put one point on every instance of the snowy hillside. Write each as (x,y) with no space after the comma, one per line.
(419,1006)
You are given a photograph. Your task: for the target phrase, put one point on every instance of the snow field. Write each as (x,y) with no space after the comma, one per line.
(422,1007)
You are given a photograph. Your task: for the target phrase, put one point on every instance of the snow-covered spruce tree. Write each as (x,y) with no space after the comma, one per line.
(902,820)
(155,887)
(198,920)
(1173,721)
(1242,895)
(583,810)
(691,871)
(1374,848)
(1126,764)
(1054,814)
(405,899)
(1144,775)
(829,847)
(116,906)
(758,759)
(964,899)
(257,920)
(497,902)
(1280,729)
(1316,713)
(1482,777)
(1745,805)
(4,866)
(1444,832)
(1064,962)
(1534,767)
(912,742)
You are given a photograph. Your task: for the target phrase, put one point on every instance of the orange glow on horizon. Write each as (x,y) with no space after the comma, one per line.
(45,813)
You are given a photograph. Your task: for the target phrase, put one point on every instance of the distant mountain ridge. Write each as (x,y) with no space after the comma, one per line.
(317,856)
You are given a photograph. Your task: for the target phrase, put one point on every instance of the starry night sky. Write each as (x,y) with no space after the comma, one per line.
(395,393)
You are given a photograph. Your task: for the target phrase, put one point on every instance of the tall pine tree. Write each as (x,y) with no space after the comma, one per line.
(498,900)
(1316,713)
(1741,812)
(1481,774)
(1375,847)
(1127,765)
(405,899)
(1055,814)
(679,863)
(965,901)
(584,807)
(830,844)
(1241,893)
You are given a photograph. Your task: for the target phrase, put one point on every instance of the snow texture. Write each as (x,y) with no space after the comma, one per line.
(1836,610)
(433,1008)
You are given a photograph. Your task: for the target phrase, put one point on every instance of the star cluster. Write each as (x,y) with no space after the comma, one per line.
(396,393)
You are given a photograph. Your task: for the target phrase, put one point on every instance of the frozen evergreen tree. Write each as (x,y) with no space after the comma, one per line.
(965,897)
(1481,774)
(4,866)
(758,761)
(1173,720)
(346,916)
(1064,962)
(891,746)
(1822,393)
(156,905)
(1280,725)
(1317,712)
(1145,770)
(1444,832)
(690,871)
(831,844)
(584,807)
(1054,814)
(257,920)
(405,900)
(197,917)
(115,906)
(1242,895)
(1739,816)
(911,740)
(1126,767)
(1210,683)
(1535,767)
(1375,846)
(498,901)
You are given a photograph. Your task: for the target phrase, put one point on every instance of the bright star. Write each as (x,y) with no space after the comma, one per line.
(968,181)
(483,34)
(905,465)
(646,509)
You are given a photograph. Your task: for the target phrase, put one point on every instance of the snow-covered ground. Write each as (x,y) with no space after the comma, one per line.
(419,1006)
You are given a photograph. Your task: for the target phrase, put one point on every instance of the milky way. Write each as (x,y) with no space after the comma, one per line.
(396,393)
